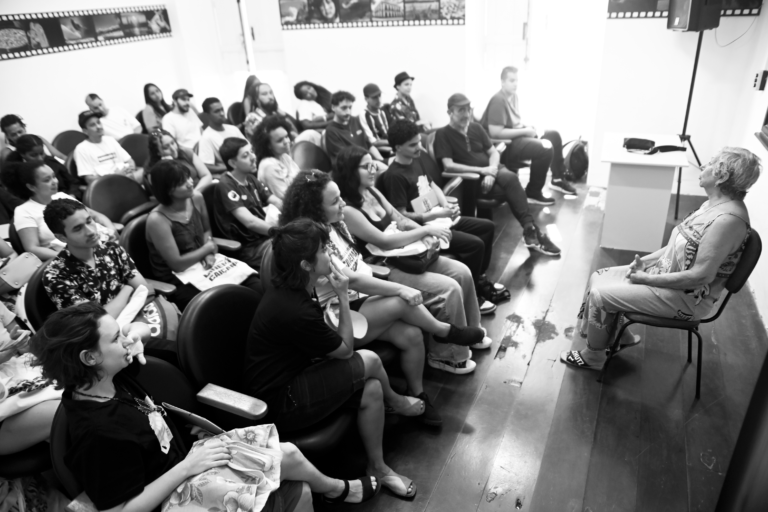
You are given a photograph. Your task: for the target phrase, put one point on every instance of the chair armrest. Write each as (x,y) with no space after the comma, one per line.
(82,503)
(118,226)
(135,212)
(233,402)
(470,176)
(380,272)
(161,287)
(227,245)
(450,187)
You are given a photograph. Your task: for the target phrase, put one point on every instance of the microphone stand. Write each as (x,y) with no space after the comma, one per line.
(684,137)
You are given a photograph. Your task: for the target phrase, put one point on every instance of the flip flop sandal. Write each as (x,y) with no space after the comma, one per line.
(573,358)
(368,491)
(415,409)
(625,346)
(396,483)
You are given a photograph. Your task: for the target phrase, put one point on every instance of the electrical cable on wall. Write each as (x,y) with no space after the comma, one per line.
(742,35)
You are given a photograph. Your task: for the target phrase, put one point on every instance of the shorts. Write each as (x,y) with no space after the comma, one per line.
(319,390)
(285,498)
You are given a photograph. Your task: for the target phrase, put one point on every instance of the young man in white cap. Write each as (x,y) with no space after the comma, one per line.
(182,122)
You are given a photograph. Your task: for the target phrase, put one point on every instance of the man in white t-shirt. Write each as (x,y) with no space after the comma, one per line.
(101,154)
(117,122)
(310,113)
(182,122)
(214,135)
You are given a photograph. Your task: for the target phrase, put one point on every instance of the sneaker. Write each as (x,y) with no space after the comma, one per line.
(563,186)
(541,243)
(462,336)
(539,198)
(430,417)
(486,343)
(487,307)
(461,368)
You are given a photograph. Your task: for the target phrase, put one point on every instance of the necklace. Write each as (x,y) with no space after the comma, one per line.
(146,406)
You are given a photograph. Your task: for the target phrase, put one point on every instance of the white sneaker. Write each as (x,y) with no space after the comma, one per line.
(487,307)
(462,368)
(486,343)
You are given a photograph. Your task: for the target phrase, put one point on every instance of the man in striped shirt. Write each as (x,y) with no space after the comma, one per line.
(374,119)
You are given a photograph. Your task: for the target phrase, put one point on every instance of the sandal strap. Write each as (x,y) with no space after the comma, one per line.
(575,358)
(368,490)
(343,496)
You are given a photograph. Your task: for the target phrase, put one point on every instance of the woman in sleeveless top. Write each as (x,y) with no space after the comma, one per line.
(448,281)
(681,281)
(179,232)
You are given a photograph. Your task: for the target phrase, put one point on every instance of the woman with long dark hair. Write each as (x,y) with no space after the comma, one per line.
(31,148)
(155,107)
(163,146)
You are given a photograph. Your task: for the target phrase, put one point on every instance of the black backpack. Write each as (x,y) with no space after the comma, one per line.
(576,160)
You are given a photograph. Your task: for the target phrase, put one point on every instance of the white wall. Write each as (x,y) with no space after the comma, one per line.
(646,73)
(48,91)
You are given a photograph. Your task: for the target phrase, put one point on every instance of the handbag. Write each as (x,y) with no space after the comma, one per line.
(17,272)
(416,264)
(243,484)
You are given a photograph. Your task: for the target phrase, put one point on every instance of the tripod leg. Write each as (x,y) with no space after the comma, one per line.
(694,152)
(677,197)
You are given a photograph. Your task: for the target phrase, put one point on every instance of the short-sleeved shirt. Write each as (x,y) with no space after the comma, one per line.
(288,333)
(469,148)
(375,124)
(278,173)
(308,110)
(211,141)
(100,159)
(231,195)
(113,452)
(404,108)
(502,112)
(69,281)
(119,123)
(401,184)
(30,215)
(339,136)
(342,247)
(186,128)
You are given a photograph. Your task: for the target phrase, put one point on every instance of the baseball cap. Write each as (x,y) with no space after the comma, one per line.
(84,116)
(371,90)
(178,93)
(402,77)
(458,100)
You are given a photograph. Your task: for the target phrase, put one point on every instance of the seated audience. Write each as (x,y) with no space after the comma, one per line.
(682,281)
(346,130)
(249,94)
(114,453)
(155,107)
(36,183)
(373,119)
(272,144)
(90,270)
(117,122)
(464,146)
(100,155)
(162,146)
(29,402)
(266,105)
(313,195)
(179,231)
(403,106)
(471,239)
(240,201)
(502,121)
(213,136)
(289,334)
(182,121)
(31,148)
(13,128)
(314,109)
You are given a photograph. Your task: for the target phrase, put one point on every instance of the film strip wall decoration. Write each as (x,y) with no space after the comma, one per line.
(44,33)
(624,9)
(319,14)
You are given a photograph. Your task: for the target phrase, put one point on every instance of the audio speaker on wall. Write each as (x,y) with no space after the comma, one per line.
(694,15)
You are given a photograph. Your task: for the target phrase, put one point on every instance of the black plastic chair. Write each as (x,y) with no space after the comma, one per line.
(118,197)
(15,239)
(133,238)
(308,156)
(235,113)
(32,461)
(140,119)
(136,145)
(208,195)
(37,304)
(738,279)
(67,140)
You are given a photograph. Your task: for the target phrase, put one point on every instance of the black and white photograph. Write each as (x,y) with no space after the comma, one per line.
(108,27)
(134,24)
(77,29)
(422,10)
(387,10)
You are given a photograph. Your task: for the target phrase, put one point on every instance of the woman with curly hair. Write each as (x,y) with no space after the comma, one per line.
(314,109)
(395,312)
(124,450)
(681,281)
(163,146)
(272,145)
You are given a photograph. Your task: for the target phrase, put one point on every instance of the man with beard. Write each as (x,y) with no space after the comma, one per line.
(345,130)
(213,136)
(182,122)
(266,105)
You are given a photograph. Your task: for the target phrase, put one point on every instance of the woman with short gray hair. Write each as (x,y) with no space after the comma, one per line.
(681,281)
